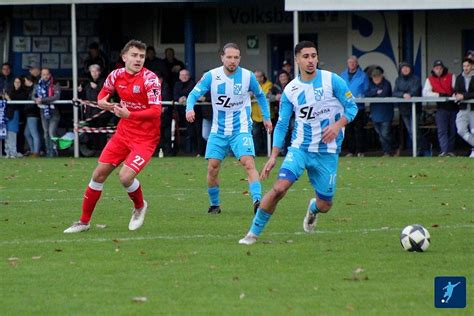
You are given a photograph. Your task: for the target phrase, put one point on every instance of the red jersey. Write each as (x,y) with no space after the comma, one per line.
(141,94)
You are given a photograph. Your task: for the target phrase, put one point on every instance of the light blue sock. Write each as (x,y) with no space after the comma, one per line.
(259,222)
(255,189)
(214,196)
(313,207)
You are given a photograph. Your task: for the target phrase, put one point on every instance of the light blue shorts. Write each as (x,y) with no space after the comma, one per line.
(218,146)
(321,167)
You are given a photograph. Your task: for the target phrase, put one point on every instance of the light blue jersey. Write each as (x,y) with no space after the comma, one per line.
(230,100)
(316,104)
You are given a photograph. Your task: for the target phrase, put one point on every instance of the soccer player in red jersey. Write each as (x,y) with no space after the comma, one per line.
(137,135)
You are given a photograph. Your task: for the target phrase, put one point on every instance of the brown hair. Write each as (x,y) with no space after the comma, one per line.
(133,43)
(229,45)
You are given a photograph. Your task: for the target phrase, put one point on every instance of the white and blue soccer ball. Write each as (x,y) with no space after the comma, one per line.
(415,238)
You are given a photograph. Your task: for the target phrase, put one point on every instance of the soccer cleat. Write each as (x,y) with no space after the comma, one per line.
(77,227)
(249,239)
(138,216)
(256,205)
(310,220)
(214,209)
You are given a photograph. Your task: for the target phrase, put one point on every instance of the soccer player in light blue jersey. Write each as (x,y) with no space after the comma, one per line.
(323,105)
(230,87)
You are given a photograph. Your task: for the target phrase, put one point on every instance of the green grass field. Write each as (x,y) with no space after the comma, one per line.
(187,262)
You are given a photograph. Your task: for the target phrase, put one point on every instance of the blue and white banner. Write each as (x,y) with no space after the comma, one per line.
(3,119)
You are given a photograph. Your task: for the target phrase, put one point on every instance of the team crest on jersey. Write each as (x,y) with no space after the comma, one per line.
(237,88)
(318,93)
(136,89)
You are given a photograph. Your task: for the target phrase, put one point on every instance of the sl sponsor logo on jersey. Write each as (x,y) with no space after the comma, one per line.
(136,89)
(237,88)
(218,77)
(294,88)
(318,93)
(309,112)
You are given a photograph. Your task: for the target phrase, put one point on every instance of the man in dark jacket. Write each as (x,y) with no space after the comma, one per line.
(182,88)
(381,113)
(464,90)
(408,85)
(6,78)
(156,64)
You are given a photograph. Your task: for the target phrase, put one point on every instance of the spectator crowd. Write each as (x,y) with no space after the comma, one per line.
(26,123)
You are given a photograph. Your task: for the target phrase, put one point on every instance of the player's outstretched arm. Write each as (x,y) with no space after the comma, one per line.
(269,164)
(262,102)
(198,91)
(103,102)
(268,126)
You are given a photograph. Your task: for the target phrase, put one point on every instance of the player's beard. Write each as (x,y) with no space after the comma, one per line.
(231,70)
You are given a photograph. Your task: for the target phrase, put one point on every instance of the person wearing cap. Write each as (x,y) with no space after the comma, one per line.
(464,90)
(381,113)
(358,83)
(287,67)
(441,84)
(408,85)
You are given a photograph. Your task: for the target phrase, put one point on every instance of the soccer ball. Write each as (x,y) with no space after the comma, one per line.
(415,238)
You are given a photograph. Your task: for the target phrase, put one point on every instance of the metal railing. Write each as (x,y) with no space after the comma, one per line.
(413,101)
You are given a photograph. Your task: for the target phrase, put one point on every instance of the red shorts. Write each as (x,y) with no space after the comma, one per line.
(119,149)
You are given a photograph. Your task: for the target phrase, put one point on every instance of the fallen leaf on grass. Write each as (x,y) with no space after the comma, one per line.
(248,253)
(435,225)
(236,278)
(358,275)
(245,193)
(58,250)
(445,203)
(242,296)
(116,241)
(139,299)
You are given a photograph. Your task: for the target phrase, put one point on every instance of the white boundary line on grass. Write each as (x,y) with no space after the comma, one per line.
(79,198)
(229,236)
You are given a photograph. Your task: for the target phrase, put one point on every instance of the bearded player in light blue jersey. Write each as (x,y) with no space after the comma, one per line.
(323,105)
(230,87)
